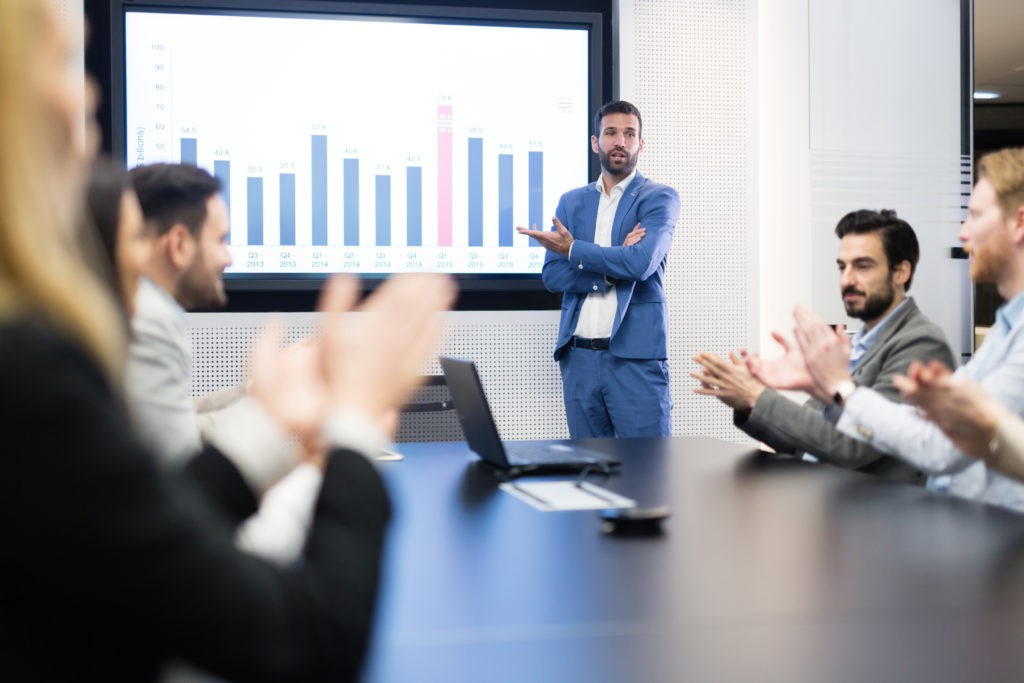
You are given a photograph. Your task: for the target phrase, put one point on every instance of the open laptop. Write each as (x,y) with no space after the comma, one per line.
(511,457)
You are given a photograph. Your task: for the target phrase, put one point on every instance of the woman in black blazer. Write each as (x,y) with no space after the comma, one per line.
(110,565)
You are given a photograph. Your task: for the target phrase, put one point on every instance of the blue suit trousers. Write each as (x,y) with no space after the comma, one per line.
(610,396)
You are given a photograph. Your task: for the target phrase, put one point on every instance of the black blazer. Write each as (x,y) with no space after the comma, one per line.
(111,566)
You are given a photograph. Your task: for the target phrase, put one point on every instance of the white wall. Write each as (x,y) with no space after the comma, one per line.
(885,133)
(784,262)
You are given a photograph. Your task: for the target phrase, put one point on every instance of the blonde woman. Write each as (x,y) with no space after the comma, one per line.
(112,567)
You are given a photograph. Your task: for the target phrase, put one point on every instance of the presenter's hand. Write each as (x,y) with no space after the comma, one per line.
(372,361)
(634,236)
(788,372)
(826,352)
(558,240)
(959,407)
(731,382)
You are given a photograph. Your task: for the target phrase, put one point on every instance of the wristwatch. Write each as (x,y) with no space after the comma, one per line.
(843,391)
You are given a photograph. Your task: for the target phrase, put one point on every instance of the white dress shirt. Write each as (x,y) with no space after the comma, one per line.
(598,313)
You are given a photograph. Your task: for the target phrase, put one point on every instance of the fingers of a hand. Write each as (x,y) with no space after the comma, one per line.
(756,369)
(264,353)
(802,340)
(926,376)
(905,385)
(557,223)
(810,323)
(712,363)
(406,314)
(339,294)
(914,370)
(939,369)
(381,356)
(698,376)
(781,341)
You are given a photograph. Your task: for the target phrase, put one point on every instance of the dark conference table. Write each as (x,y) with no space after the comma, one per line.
(768,570)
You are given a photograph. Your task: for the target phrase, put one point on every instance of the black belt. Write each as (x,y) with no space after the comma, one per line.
(592,344)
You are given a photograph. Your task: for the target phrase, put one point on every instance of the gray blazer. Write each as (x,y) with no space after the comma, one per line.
(789,427)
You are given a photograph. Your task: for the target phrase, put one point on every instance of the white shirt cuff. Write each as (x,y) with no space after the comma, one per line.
(354,430)
(277,532)
(248,436)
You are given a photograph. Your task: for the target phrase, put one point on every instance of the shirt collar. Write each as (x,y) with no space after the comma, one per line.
(1009,313)
(148,288)
(863,340)
(620,187)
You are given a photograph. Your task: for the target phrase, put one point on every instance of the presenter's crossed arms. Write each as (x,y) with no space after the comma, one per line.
(560,239)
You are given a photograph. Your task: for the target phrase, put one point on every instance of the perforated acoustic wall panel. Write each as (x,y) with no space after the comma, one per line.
(691,74)
(512,351)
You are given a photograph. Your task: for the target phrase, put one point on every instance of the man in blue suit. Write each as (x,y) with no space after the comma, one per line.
(612,339)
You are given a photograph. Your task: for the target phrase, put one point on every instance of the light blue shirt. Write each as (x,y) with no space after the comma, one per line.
(860,344)
(998,366)
(862,341)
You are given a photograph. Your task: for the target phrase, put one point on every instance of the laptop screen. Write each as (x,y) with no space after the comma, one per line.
(473,410)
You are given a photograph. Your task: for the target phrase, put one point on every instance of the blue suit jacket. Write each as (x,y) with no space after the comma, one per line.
(641,321)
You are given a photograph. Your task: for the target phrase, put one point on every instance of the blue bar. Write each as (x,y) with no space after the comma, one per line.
(505,200)
(383,211)
(288,209)
(254,199)
(476,192)
(189,151)
(414,205)
(536,212)
(222,171)
(351,179)
(319,177)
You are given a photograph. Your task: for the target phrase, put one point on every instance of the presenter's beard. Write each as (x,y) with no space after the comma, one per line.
(617,167)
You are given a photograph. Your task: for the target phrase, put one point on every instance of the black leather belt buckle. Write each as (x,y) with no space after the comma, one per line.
(592,344)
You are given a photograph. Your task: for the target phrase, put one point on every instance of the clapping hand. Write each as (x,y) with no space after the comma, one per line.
(731,383)
(959,407)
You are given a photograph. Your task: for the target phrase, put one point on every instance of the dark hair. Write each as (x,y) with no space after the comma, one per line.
(174,193)
(617,107)
(108,181)
(898,238)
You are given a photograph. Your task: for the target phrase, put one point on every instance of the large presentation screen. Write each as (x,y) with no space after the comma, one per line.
(364,144)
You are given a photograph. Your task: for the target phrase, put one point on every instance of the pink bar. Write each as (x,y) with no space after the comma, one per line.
(444,175)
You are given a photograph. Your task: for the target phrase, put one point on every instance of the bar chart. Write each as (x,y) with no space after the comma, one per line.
(425,165)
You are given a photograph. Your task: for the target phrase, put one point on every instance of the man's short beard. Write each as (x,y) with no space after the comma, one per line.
(193,294)
(605,159)
(874,305)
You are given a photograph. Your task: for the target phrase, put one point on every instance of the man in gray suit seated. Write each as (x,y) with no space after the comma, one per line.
(878,252)
(187,219)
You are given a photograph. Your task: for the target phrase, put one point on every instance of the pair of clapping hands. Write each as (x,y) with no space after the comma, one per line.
(818,363)
(366,363)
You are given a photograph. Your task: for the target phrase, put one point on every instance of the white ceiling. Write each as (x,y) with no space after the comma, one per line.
(999,48)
